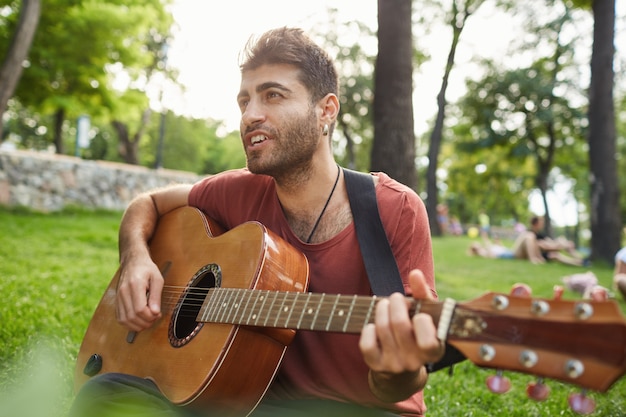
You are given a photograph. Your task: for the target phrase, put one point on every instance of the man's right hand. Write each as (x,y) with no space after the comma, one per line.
(139,294)
(140,282)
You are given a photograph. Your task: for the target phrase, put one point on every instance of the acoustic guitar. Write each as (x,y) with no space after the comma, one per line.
(233,300)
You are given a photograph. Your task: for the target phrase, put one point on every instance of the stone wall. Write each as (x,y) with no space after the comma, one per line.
(48,182)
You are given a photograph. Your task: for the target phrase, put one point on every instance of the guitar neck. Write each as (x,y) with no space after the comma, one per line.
(297,310)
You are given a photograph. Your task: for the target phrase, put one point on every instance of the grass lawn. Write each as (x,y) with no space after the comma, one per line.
(55,267)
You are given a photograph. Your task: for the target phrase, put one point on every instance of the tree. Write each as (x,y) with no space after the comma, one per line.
(483,177)
(79,48)
(131,126)
(461,11)
(520,114)
(393,150)
(17,52)
(606,224)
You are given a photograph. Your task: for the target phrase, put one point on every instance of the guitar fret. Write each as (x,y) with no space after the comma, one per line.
(244,310)
(253,314)
(222,304)
(291,309)
(317,311)
(332,313)
(349,315)
(267,317)
(239,294)
(215,304)
(304,311)
(231,305)
(280,310)
(264,295)
(370,309)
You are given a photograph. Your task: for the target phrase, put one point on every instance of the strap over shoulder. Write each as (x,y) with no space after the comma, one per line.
(380,263)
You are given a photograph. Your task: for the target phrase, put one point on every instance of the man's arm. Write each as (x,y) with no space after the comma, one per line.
(397,347)
(140,281)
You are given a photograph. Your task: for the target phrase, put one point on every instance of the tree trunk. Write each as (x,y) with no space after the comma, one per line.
(129,147)
(11,69)
(606,224)
(436,136)
(59,119)
(393,149)
(457,22)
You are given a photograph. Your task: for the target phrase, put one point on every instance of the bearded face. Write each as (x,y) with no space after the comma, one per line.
(294,142)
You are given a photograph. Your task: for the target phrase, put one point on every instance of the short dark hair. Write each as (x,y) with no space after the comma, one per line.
(291,46)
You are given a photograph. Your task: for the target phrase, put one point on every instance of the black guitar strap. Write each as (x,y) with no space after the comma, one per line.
(380,264)
(379,261)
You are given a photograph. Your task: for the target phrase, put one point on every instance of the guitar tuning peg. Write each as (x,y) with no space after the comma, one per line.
(537,391)
(498,384)
(521,290)
(581,403)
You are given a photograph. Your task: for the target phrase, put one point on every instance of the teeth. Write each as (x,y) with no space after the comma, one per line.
(257,139)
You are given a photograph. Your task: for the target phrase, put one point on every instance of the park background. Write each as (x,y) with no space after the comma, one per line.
(118,81)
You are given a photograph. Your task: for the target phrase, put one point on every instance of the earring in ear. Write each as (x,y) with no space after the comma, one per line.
(325,130)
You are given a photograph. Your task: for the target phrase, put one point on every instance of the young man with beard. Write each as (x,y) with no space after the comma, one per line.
(293,186)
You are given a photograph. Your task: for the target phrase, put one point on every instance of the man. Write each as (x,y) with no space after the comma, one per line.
(553,249)
(292,185)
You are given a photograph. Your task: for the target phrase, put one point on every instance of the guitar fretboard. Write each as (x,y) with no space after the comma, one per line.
(290,310)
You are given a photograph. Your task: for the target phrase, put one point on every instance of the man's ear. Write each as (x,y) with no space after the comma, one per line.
(329,109)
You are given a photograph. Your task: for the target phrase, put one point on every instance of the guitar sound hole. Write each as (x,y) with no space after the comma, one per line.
(183,325)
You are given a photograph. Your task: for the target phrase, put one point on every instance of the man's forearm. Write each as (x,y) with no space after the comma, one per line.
(391,388)
(137,226)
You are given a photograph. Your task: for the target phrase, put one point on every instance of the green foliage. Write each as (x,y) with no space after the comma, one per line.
(347,42)
(520,128)
(78,49)
(583,4)
(193,145)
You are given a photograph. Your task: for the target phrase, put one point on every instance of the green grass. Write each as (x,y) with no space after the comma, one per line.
(55,267)
(53,270)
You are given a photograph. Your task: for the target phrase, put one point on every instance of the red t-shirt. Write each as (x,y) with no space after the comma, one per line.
(320,364)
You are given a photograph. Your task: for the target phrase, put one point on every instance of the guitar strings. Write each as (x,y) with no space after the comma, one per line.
(191,300)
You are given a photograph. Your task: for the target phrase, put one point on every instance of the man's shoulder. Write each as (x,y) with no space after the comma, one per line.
(237,176)
(392,187)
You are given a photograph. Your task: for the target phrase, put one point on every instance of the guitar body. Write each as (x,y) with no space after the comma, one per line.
(227,366)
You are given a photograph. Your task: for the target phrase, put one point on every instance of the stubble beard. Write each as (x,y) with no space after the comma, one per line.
(291,158)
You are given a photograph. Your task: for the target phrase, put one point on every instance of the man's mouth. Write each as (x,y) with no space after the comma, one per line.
(257,139)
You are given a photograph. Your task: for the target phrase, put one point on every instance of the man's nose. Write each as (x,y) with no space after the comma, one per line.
(253,113)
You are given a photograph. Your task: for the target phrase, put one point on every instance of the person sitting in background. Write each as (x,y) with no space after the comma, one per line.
(553,249)
(442,218)
(619,276)
(455,227)
(524,247)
